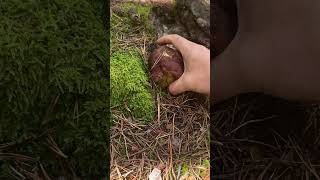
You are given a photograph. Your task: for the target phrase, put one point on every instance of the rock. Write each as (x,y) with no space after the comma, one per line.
(188,18)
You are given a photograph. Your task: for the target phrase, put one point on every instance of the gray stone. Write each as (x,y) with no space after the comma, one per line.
(189,18)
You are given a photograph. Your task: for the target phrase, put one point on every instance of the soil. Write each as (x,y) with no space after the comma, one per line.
(254,136)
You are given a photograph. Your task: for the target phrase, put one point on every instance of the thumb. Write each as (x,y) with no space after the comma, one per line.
(178,86)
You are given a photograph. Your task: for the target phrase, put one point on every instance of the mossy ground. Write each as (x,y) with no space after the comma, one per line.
(130,87)
(201,168)
(53,90)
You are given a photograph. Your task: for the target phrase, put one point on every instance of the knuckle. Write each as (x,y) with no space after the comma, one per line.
(201,47)
(176,37)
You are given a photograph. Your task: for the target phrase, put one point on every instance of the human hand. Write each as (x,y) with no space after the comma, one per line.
(196,76)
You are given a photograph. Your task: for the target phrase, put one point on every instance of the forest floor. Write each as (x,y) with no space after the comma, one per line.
(176,141)
(262,137)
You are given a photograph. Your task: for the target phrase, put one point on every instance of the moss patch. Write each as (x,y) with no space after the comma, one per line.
(206,165)
(201,169)
(53,86)
(130,91)
(185,169)
(130,88)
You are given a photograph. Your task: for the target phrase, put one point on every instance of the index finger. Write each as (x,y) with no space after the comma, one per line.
(179,42)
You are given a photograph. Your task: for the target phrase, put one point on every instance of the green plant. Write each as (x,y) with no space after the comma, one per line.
(184,169)
(53,85)
(130,91)
(206,167)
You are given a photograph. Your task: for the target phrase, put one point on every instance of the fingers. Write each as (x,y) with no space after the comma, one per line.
(178,87)
(179,42)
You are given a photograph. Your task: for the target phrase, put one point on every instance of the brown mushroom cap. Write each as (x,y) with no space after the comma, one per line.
(166,65)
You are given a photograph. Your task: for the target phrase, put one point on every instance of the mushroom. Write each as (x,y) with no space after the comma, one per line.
(166,65)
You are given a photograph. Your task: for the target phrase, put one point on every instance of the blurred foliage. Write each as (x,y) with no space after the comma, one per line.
(53,76)
(130,89)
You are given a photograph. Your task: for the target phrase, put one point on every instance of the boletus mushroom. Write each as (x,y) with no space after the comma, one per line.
(166,65)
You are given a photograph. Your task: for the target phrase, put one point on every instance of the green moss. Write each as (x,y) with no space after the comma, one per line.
(53,79)
(142,11)
(130,91)
(205,164)
(202,172)
(185,169)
